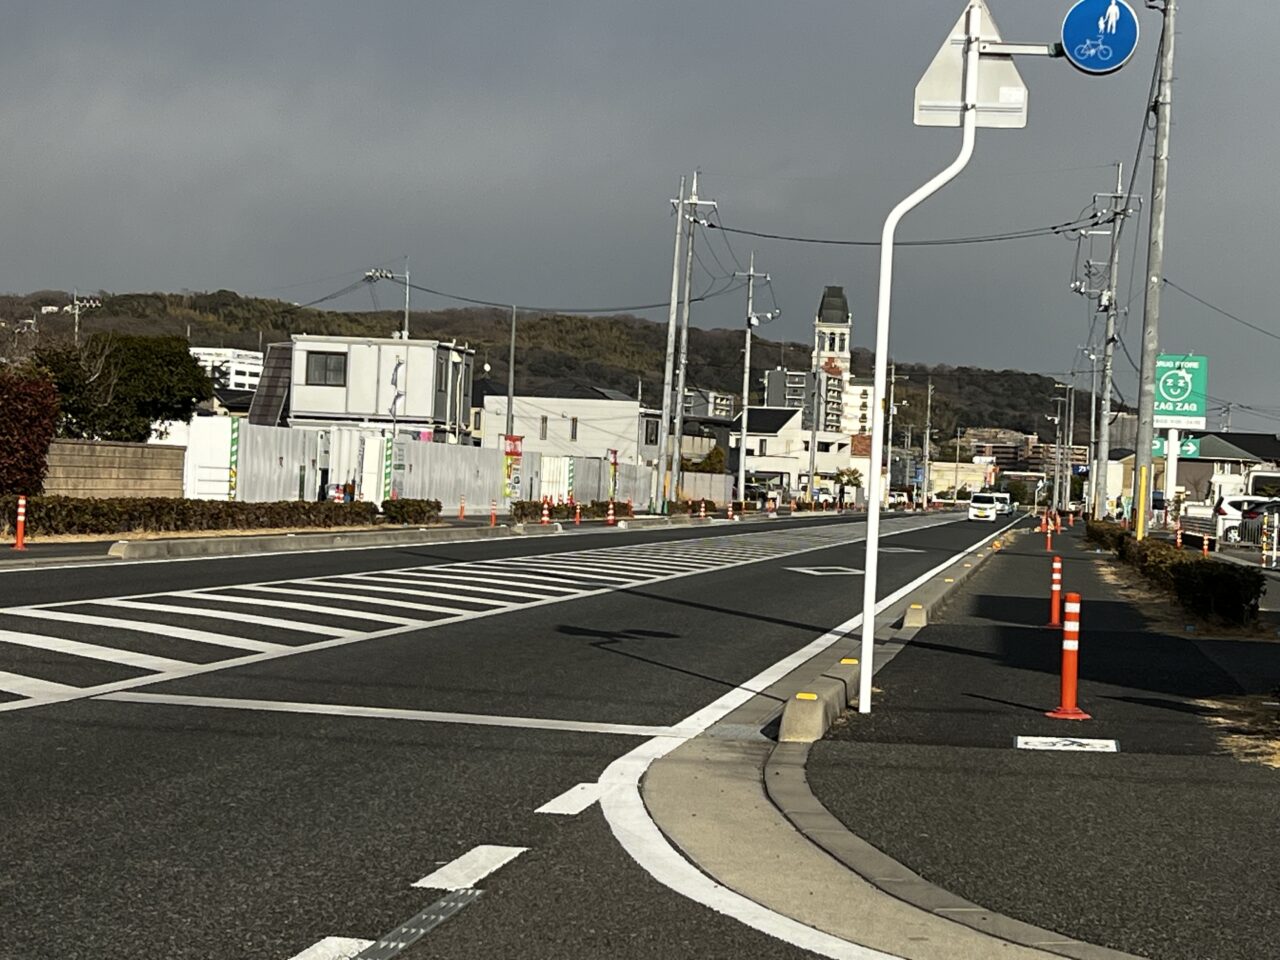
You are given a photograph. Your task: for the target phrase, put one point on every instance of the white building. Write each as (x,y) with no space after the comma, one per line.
(418,387)
(230,369)
(568,426)
(778,450)
(845,400)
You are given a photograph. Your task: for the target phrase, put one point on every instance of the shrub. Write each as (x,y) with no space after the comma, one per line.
(1210,588)
(75,515)
(28,417)
(530,511)
(411,511)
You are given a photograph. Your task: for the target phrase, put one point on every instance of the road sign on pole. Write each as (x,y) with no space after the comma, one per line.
(1099,36)
(1182,385)
(1001,94)
(1188,448)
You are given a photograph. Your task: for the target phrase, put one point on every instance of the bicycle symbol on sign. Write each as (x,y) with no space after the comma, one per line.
(1091,48)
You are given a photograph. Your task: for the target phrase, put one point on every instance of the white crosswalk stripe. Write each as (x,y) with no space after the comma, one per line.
(250,622)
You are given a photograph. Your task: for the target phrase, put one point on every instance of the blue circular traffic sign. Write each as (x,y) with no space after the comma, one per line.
(1099,36)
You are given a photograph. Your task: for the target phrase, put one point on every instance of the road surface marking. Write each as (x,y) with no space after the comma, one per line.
(419,925)
(407,577)
(235,615)
(573,801)
(392,713)
(374,588)
(827,571)
(329,595)
(1066,743)
(782,546)
(31,687)
(644,842)
(470,868)
(333,948)
(293,605)
(92,651)
(592,570)
(510,578)
(146,626)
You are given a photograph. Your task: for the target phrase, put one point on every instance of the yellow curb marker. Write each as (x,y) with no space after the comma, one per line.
(848,659)
(806,696)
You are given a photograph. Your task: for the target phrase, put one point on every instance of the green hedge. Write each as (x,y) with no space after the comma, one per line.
(1226,591)
(411,511)
(530,511)
(74,515)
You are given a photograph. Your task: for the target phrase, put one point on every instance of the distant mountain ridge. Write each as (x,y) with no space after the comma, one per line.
(624,353)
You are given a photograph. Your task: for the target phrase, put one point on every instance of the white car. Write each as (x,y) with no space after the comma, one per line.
(983,506)
(1230,513)
(1004,503)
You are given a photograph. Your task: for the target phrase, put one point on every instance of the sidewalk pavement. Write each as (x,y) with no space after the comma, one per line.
(1168,848)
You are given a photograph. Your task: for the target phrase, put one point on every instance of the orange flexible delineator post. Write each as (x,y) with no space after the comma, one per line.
(1067,706)
(493,513)
(1055,594)
(609,519)
(546,512)
(20,540)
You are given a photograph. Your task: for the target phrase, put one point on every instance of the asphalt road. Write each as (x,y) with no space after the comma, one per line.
(192,817)
(1168,848)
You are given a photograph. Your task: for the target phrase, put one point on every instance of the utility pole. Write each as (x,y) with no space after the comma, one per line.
(928,434)
(814,408)
(1057,451)
(893,380)
(1107,301)
(1226,417)
(683,364)
(404,335)
(1091,490)
(955,485)
(511,372)
(659,495)
(76,305)
(752,320)
(1068,464)
(1155,277)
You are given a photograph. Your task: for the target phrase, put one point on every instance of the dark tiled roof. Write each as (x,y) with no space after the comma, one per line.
(767,419)
(834,307)
(1223,446)
(236,401)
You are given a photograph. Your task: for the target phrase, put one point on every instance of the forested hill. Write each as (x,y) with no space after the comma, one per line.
(620,352)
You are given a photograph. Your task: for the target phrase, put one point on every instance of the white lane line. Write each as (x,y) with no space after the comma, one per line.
(393,713)
(378,601)
(235,615)
(334,948)
(585,568)
(92,651)
(370,589)
(639,835)
(583,580)
(573,801)
(31,687)
(143,626)
(430,580)
(470,868)
(293,605)
(501,577)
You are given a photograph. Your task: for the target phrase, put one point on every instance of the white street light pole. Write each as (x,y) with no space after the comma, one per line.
(664,426)
(875,493)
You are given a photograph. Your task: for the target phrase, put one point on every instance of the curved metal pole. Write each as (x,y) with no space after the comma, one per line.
(969,123)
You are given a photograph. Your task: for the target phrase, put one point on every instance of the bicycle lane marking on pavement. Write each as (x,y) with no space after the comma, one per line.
(644,841)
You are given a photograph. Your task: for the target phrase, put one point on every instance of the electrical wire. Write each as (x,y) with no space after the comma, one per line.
(709,294)
(1216,309)
(1059,229)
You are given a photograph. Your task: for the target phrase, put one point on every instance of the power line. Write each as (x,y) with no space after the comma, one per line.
(1216,309)
(709,294)
(1059,229)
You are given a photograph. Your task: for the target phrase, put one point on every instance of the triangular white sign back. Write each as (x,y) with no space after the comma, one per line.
(1002,96)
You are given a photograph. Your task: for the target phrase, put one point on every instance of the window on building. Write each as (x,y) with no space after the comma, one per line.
(842,342)
(542,428)
(326,369)
(764,446)
(651,433)
(573,428)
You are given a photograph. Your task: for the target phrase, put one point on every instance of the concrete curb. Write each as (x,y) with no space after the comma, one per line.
(283,543)
(788,788)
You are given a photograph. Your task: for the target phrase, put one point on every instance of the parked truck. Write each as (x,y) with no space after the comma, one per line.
(1219,516)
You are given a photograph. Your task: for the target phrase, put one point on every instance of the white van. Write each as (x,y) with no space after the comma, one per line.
(983,506)
(1004,503)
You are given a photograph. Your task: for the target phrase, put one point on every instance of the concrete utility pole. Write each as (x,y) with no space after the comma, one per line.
(664,425)
(1119,210)
(405,333)
(1068,464)
(77,305)
(955,486)
(683,362)
(511,374)
(1057,451)
(893,380)
(1155,278)
(814,408)
(928,435)
(752,320)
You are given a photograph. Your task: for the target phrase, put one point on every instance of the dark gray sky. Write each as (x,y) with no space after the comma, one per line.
(526,152)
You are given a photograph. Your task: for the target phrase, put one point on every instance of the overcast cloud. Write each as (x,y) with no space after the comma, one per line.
(526,152)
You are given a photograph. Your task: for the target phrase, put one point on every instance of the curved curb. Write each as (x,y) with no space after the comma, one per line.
(788,789)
